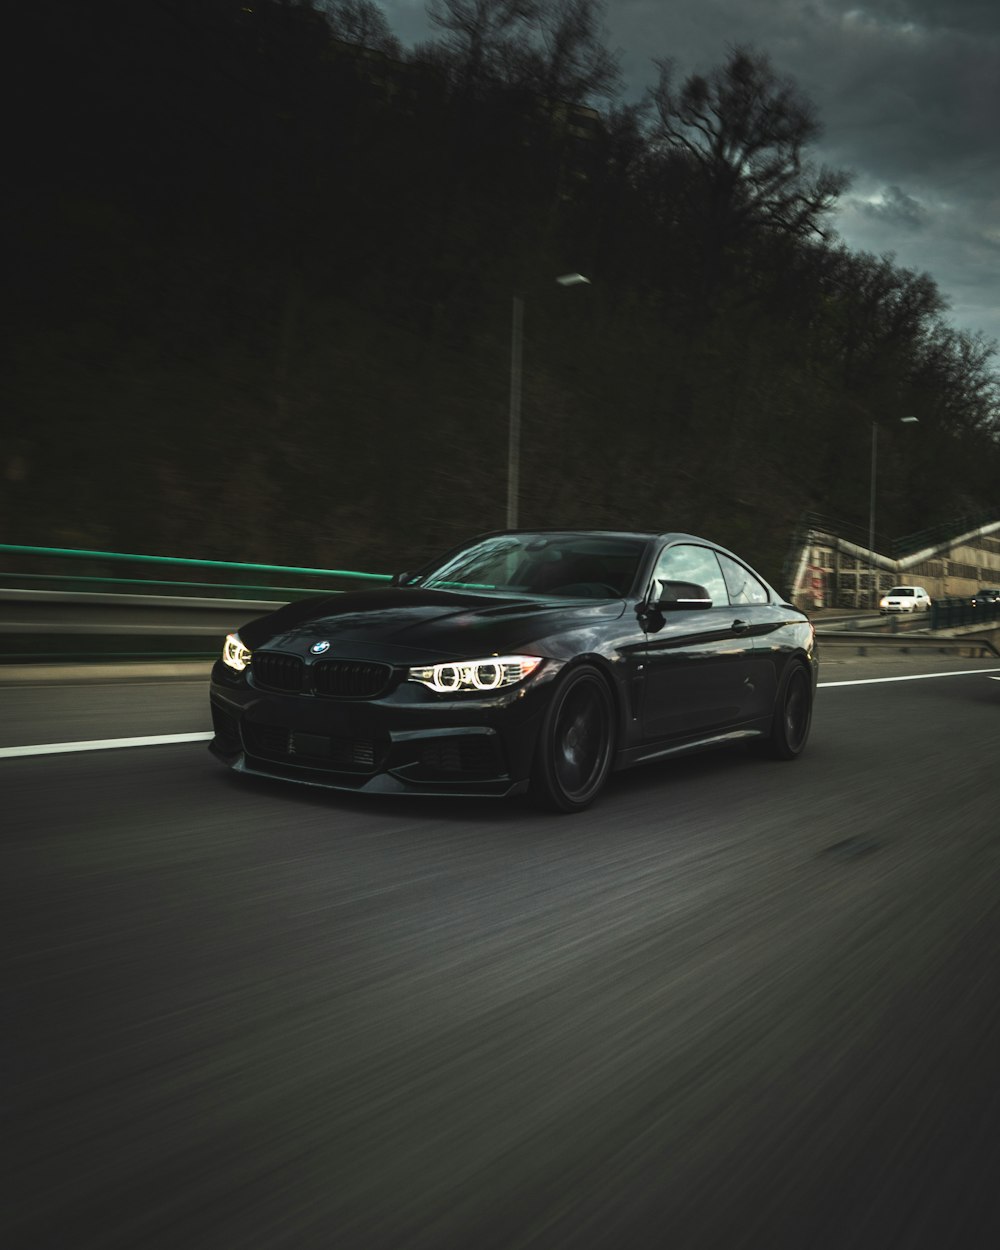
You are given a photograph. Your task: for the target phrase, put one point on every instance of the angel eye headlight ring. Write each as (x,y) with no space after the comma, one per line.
(493,672)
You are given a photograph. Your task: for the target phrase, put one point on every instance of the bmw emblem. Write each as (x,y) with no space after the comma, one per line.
(320,648)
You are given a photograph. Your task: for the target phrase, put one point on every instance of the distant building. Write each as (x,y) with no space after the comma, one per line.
(830,569)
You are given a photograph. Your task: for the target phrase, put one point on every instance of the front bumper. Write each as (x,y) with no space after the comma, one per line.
(405,743)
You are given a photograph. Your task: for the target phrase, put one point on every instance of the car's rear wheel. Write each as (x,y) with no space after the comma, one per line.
(792,713)
(576,742)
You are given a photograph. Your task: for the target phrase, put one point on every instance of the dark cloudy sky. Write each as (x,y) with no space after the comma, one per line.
(908,92)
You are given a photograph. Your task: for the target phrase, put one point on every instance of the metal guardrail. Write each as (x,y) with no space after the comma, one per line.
(865,642)
(889,623)
(959,629)
(55,578)
(48,613)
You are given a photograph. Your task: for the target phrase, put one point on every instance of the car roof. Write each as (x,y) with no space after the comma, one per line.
(646,535)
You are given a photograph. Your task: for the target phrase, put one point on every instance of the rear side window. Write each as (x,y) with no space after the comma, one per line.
(743,587)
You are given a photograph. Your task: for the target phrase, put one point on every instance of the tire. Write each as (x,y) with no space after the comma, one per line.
(576,742)
(792,713)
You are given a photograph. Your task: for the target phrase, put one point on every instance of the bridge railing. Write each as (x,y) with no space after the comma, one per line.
(954,613)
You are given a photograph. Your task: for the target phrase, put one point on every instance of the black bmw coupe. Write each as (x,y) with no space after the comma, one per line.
(520,662)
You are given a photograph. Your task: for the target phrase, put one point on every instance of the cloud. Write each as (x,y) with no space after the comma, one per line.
(894,207)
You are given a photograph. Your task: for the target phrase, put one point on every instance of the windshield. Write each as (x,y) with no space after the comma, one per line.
(587,566)
(902,591)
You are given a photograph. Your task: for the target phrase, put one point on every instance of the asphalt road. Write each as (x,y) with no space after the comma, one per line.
(737,1004)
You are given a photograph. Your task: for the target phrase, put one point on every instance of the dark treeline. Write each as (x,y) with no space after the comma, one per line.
(261,293)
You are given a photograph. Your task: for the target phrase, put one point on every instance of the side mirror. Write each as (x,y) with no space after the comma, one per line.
(680,597)
(403,579)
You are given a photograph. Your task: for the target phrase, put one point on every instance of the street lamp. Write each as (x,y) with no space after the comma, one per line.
(514,424)
(871,507)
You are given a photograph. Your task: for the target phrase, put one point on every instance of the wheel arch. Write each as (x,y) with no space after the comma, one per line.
(615,685)
(809,659)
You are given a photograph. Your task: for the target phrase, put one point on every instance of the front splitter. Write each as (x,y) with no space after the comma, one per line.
(376,783)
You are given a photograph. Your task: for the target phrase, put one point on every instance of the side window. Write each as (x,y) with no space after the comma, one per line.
(743,587)
(685,563)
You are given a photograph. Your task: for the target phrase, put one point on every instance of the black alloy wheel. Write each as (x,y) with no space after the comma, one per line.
(792,713)
(576,741)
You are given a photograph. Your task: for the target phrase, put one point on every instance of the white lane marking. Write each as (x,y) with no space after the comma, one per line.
(873,681)
(103,744)
(111,744)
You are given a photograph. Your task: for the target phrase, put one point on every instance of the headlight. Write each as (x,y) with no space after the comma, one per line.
(492,673)
(883,603)
(234,654)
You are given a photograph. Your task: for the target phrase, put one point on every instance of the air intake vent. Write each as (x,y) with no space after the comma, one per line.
(267,740)
(471,754)
(309,750)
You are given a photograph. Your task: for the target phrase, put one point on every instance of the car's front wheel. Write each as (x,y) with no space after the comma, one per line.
(792,713)
(576,742)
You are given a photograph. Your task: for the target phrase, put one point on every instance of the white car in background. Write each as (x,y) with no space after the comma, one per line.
(905,599)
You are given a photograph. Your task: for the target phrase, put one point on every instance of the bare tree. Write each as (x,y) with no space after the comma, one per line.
(744,130)
(361,22)
(481,36)
(569,60)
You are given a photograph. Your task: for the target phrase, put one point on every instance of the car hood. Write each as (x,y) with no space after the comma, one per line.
(396,624)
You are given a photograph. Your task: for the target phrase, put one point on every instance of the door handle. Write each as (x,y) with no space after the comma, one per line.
(741,627)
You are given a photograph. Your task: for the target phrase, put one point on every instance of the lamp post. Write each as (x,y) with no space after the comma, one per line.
(514,423)
(871,507)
